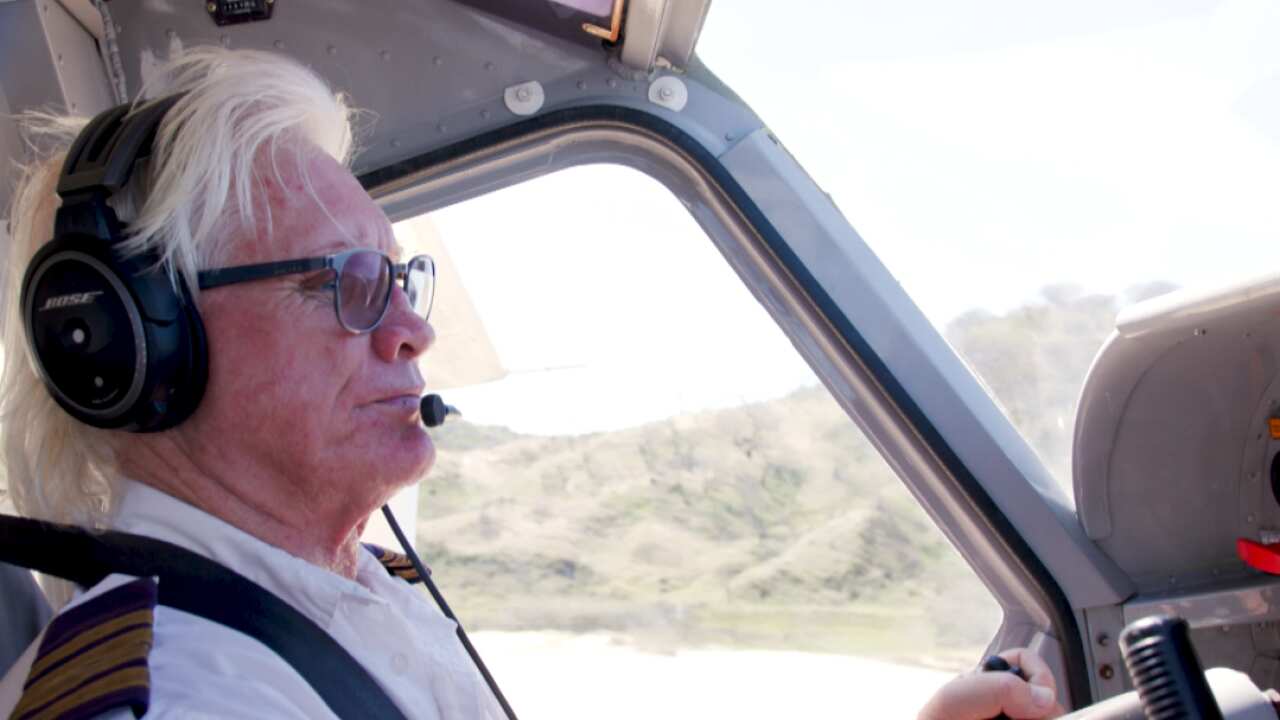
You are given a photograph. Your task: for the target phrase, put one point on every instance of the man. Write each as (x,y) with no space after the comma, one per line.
(308,424)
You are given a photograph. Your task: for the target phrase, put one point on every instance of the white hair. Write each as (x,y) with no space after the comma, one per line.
(181,204)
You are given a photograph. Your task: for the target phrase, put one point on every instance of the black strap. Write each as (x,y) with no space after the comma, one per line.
(197,585)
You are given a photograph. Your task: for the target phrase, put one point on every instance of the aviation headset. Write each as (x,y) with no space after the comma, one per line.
(116,344)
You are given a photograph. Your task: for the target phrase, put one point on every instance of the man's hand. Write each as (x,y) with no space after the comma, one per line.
(983,695)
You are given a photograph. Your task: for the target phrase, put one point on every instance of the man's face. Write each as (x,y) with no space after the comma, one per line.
(290,391)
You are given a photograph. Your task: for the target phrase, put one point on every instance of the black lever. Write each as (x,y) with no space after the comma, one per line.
(995,663)
(1166,671)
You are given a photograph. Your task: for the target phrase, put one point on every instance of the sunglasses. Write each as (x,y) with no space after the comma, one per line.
(361,282)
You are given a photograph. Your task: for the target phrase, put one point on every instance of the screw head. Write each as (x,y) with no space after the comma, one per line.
(210,7)
(1106,672)
(1104,639)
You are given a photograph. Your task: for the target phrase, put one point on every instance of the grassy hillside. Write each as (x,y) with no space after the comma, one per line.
(769,525)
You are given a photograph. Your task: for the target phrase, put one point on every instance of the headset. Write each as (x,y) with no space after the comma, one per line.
(117,341)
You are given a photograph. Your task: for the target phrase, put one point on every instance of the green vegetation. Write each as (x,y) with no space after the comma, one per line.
(774,524)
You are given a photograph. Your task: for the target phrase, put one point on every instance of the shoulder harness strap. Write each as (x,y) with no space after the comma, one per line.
(397,564)
(197,585)
(93,657)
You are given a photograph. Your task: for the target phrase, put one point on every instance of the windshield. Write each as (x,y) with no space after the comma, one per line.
(1026,170)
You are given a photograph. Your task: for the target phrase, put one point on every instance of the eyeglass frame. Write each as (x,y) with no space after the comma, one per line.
(220,277)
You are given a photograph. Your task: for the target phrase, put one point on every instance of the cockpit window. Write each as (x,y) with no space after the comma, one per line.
(651,500)
(1027,170)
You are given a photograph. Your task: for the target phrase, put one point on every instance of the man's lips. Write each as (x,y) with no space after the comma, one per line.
(400,402)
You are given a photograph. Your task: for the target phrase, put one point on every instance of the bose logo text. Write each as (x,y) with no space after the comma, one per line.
(58,302)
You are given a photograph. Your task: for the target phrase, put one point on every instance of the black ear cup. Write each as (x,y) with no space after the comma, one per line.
(113,340)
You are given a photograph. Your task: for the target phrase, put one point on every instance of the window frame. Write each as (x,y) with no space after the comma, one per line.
(1037,608)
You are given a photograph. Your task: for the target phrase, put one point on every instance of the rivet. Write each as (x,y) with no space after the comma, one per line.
(98,382)
(1103,639)
(171,33)
(522,94)
(1106,672)
(395,142)
(279,44)
(441,128)
(120,28)
(582,84)
(385,54)
(665,93)
(612,83)
(437,60)
(488,65)
(332,50)
(484,114)
(728,136)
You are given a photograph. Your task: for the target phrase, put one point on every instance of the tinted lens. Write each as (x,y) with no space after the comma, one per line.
(420,284)
(364,286)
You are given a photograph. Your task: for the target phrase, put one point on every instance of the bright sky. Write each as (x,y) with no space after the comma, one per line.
(983,149)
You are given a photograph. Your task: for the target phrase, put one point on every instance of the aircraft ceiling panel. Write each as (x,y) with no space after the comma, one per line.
(430,72)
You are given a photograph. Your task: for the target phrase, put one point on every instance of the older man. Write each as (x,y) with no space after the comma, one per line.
(308,424)
(308,421)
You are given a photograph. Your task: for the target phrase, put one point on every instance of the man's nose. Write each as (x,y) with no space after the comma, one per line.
(403,334)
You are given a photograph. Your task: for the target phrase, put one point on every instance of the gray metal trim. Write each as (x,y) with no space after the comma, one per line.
(1256,600)
(51,63)
(642,32)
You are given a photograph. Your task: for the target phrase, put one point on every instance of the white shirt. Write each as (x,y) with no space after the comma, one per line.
(202,669)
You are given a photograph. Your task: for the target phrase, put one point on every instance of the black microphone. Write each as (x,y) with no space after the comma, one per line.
(434,411)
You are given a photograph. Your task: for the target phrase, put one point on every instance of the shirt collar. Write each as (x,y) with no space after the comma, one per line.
(313,590)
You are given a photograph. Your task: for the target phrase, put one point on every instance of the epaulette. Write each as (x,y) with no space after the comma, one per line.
(396,563)
(93,657)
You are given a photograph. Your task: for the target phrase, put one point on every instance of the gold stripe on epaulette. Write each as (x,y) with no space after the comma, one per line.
(130,647)
(121,679)
(92,657)
(137,617)
(396,564)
